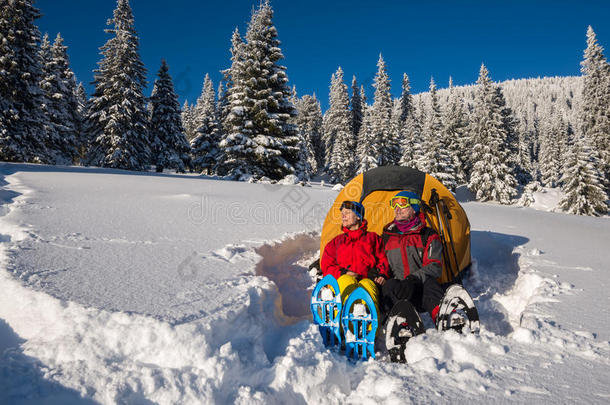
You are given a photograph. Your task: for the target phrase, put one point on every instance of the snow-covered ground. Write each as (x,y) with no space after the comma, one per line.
(121,287)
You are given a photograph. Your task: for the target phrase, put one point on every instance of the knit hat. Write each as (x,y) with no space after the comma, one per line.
(356,207)
(409,195)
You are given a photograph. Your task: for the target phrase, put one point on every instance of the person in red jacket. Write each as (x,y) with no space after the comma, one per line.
(356,257)
(414,252)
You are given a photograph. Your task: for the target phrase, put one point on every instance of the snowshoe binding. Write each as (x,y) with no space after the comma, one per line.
(326,309)
(457,310)
(359,320)
(403,322)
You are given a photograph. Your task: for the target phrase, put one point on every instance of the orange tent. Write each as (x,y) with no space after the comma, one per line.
(374,189)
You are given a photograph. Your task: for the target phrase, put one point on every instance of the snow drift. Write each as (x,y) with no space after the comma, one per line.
(124,287)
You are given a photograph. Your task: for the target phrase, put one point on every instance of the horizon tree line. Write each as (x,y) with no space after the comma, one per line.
(255,126)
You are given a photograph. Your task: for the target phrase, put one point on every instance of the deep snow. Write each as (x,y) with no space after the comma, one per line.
(122,287)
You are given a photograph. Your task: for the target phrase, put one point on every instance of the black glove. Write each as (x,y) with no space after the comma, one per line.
(374,273)
(343,270)
(406,288)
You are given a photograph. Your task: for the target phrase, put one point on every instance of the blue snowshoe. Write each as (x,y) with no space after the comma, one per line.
(326,309)
(359,320)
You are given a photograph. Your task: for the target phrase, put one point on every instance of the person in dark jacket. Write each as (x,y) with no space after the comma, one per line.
(414,253)
(355,257)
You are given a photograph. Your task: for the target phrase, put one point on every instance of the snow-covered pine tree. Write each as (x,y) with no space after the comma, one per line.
(583,183)
(455,123)
(61,106)
(204,146)
(188,121)
(22,121)
(595,111)
(356,107)
(385,143)
(367,157)
(337,131)
(260,108)
(222,107)
(117,114)
(237,146)
(416,127)
(82,142)
(170,149)
(408,127)
(511,142)
(437,160)
(406,100)
(552,133)
(491,177)
(309,123)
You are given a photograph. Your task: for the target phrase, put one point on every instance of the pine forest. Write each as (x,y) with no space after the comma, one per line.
(502,140)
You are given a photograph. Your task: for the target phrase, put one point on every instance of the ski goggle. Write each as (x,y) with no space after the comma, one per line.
(403,202)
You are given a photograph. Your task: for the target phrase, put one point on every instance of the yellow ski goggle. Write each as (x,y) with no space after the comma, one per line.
(403,202)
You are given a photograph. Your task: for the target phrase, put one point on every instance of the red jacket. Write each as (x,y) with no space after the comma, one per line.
(358,251)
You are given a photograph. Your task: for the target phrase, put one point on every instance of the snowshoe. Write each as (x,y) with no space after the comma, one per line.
(403,322)
(457,310)
(326,309)
(359,320)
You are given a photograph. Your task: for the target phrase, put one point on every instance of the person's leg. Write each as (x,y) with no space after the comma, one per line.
(347,284)
(432,294)
(389,294)
(370,287)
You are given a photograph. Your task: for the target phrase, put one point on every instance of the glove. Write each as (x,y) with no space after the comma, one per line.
(343,270)
(374,273)
(406,288)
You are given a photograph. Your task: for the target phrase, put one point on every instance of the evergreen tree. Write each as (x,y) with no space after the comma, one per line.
(261,134)
(582,180)
(384,141)
(511,141)
(454,128)
(309,123)
(356,104)
(170,149)
(337,131)
(550,156)
(406,100)
(117,114)
(237,146)
(491,177)
(367,156)
(415,126)
(82,141)
(23,123)
(437,160)
(61,105)
(595,112)
(188,121)
(204,146)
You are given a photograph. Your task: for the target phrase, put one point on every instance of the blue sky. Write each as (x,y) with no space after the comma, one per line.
(515,39)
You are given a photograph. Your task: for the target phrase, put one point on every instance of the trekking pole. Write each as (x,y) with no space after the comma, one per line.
(448,217)
(434,202)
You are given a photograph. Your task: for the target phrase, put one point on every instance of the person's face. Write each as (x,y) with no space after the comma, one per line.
(404,214)
(349,219)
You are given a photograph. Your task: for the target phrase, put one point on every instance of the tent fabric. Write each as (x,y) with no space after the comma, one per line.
(374,190)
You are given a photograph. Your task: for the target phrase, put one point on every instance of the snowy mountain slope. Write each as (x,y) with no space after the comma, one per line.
(123,287)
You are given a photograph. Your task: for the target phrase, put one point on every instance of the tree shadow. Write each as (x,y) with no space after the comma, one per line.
(494,271)
(22,379)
